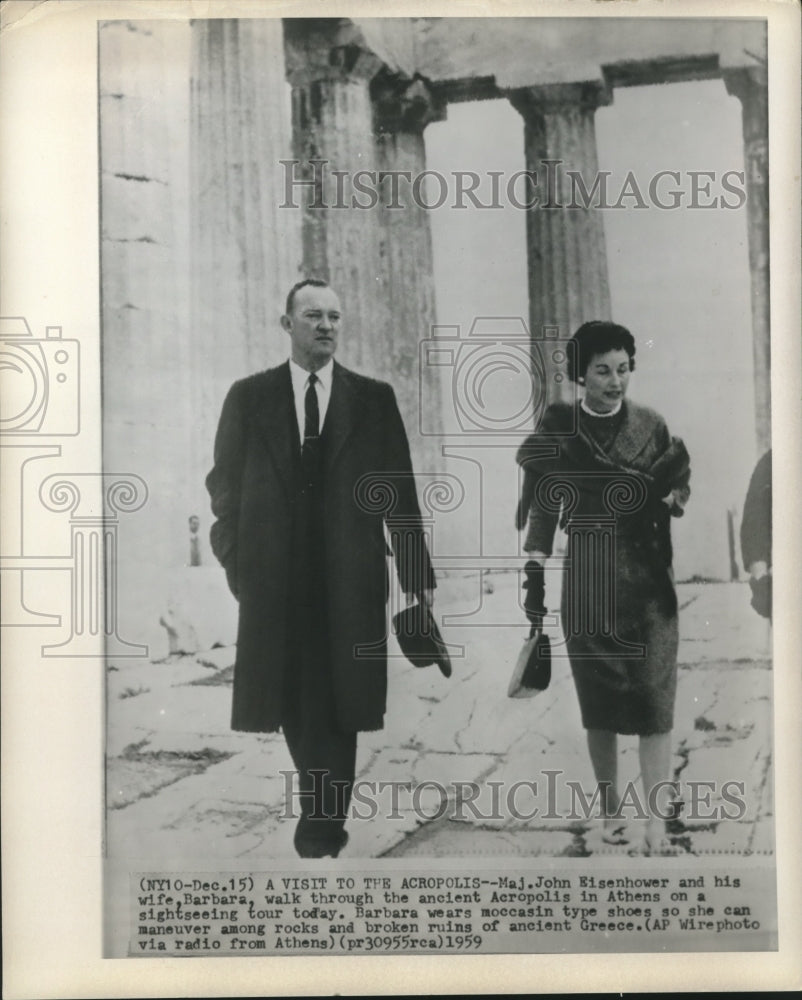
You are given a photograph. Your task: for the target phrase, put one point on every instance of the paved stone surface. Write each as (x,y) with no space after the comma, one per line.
(181,784)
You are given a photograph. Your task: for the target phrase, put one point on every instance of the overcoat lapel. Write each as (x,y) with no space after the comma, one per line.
(275,417)
(342,416)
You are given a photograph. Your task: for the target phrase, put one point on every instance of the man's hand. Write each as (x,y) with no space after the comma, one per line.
(425,597)
(761,590)
(758,569)
(670,500)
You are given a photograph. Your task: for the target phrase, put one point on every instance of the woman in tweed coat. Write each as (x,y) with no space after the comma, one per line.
(608,471)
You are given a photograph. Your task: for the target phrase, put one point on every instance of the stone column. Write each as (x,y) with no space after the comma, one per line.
(403,110)
(330,69)
(750,86)
(567,257)
(147,343)
(246,248)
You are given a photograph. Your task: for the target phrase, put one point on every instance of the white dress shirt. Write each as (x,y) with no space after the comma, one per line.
(300,383)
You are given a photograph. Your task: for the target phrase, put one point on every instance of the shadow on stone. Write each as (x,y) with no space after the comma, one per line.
(137,774)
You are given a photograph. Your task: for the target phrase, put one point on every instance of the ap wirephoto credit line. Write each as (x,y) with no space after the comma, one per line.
(451,374)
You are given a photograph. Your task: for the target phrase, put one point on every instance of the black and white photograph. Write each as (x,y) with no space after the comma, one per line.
(481,310)
(426,567)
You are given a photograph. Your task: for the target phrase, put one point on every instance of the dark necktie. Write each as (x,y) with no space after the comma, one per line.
(310,452)
(311,410)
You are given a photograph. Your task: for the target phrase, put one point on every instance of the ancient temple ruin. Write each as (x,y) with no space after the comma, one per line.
(265,104)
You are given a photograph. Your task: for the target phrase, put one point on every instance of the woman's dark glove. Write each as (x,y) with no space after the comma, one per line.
(535,587)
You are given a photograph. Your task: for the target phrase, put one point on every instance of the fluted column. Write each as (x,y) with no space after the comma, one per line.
(750,86)
(144,262)
(246,248)
(403,110)
(566,253)
(330,71)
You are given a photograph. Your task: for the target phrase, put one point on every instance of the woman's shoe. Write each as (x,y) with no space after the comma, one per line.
(616,835)
(659,847)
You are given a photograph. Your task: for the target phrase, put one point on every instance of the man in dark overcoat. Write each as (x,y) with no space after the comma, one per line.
(756,535)
(312,474)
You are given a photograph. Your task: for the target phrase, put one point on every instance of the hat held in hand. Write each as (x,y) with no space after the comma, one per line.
(420,639)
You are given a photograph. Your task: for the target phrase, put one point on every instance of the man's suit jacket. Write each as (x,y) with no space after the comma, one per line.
(367,483)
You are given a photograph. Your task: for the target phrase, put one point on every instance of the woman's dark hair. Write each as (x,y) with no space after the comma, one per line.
(598,337)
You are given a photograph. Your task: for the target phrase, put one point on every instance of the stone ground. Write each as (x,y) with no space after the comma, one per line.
(180,784)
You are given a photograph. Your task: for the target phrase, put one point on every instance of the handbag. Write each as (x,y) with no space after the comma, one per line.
(532,672)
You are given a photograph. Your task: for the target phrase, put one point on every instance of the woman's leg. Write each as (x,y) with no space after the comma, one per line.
(655,760)
(603,747)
